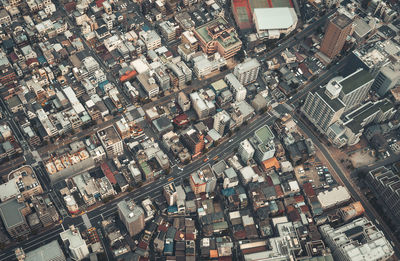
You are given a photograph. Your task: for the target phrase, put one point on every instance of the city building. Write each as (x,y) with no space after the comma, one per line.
(203,108)
(203,65)
(13,213)
(272,22)
(323,107)
(358,240)
(151,39)
(247,72)
(149,84)
(218,36)
(355,88)
(221,122)
(132,216)
(236,87)
(74,242)
(111,141)
(48,252)
(263,143)
(387,78)
(385,184)
(194,141)
(183,101)
(170,193)
(339,27)
(245,150)
(203,180)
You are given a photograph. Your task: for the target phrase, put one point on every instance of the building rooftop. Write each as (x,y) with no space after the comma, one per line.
(11,214)
(342,20)
(355,80)
(275,18)
(109,135)
(48,252)
(336,104)
(130,210)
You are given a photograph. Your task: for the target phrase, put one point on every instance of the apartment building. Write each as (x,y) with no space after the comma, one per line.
(111,141)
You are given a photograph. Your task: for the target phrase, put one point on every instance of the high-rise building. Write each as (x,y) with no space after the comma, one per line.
(132,216)
(387,78)
(183,101)
(74,242)
(386,186)
(245,150)
(13,213)
(247,71)
(236,87)
(324,107)
(221,122)
(111,141)
(354,88)
(358,240)
(203,180)
(337,30)
(263,142)
(170,193)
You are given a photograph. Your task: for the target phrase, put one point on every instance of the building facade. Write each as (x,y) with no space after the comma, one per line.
(337,30)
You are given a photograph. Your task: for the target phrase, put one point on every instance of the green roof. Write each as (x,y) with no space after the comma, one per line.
(203,32)
(335,104)
(10,212)
(355,80)
(264,134)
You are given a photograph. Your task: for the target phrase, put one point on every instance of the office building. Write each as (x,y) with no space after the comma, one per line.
(202,107)
(221,122)
(236,87)
(386,186)
(74,242)
(263,143)
(324,107)
(151,39)
(48,252)
(13,213)
(337,30)
(387,78)
(132,216)
(170,194)
(245,150)
(194,141)
(148,84)
(203,180)
(355,88)
(358,240)
(183,101)
(247,71)
(218,36)
(111,141)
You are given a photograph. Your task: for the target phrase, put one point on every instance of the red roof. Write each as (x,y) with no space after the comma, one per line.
(99,3)
(108,173)
(278,190)
(69,7)
(299,198)
(308,189)
(162,228)
(304,209)
(189,236)
(143,245)
(181,119)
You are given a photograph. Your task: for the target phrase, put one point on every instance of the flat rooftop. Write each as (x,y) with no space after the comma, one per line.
(50,251)
(275,18)
(353,81)
(10,212)
(342,21)
(109,134)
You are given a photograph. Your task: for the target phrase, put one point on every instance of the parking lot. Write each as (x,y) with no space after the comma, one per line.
(314,172)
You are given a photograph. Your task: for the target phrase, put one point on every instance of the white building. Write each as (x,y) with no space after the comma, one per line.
(221,122)
(202,107)
(245,150)
(237,88)
(183,101)
(247,71)
(111,141)
(76,245)
(203,65)
(334,197)
(275,21)
(151,39)
(359,240)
